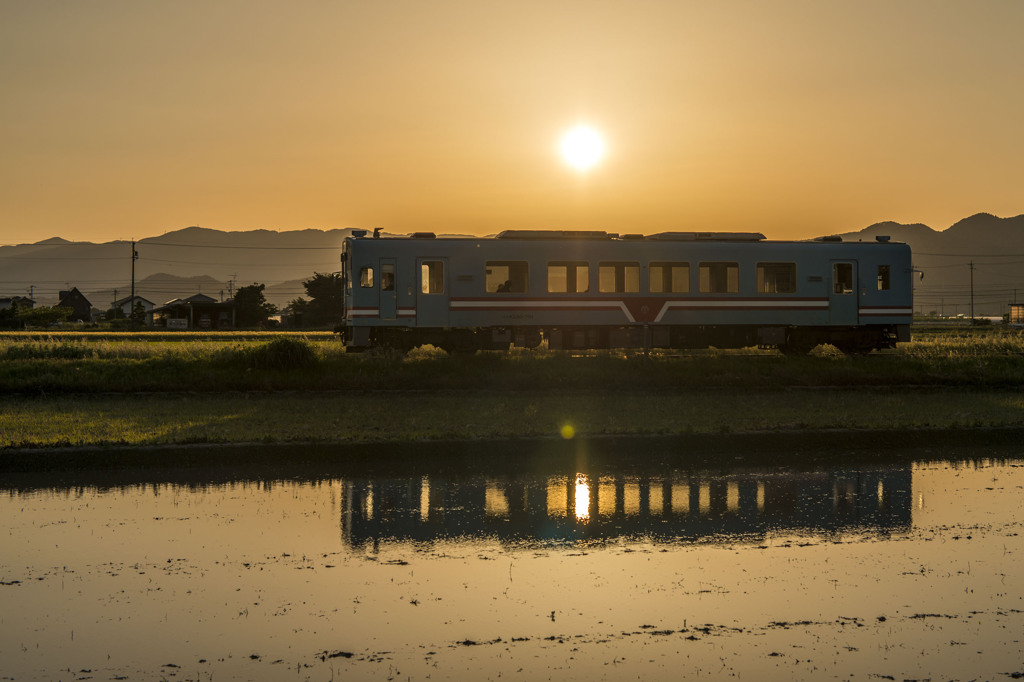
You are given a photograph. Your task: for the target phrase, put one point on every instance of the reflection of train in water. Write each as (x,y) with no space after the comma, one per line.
(665,508)
(599,290)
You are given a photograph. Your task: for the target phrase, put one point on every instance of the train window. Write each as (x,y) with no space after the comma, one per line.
(366,277)
(776,278)
(883,278)
(568,277)
(842,278)
(387,277)
(506,277)
(719,278)
(618,278)
(669,278)
(432,274)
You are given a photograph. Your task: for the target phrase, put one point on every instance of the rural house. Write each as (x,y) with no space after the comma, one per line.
(19,301)
(126,304)
(196,312)
(81,309)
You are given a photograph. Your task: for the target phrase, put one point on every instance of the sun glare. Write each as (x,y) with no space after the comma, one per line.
(582,501)
(582,147)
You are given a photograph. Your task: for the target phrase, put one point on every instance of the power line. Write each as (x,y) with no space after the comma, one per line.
(146,242)
(970,255)
(82,258)
(960,265)
(255,248)
(255,265)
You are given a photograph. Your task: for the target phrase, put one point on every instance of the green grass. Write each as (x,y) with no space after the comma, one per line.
(409,416)
(136,363)
(144,390)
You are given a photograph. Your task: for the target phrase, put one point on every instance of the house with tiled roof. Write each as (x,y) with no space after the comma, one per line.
(81,308)
(16,301)
(127,304)
(196,312)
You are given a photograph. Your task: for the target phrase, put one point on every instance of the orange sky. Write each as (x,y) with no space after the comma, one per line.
(126,119)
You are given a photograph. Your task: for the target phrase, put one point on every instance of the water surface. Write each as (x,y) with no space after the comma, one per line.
(626,564)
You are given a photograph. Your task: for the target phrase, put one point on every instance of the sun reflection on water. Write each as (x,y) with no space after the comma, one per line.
(582,502)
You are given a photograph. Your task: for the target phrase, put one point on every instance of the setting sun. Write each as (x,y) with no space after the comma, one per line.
(582,147)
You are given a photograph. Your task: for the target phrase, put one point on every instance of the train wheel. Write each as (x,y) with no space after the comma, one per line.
(462,344)
(854,348)
(798,342)
(792,348)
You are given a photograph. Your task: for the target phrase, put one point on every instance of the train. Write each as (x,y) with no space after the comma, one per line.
(584,290)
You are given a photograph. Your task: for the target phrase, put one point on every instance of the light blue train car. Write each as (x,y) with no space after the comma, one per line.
(591,290)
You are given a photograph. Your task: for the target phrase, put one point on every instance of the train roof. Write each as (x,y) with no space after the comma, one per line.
(601,235)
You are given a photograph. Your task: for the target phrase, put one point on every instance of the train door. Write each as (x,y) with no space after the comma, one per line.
(432,292)
(843,300)
(387,302)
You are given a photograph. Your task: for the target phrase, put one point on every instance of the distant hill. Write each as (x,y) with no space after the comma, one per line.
(994,245)
(226,259)
(200,260)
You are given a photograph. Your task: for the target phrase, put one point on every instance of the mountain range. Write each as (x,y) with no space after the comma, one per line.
(984,248)
(201,260)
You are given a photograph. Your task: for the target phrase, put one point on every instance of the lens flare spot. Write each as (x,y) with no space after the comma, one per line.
(567,431)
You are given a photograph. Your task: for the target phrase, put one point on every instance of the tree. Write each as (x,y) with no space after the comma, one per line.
(251,307)
(138,313)
(9,318)
(299,309)
(327,292)
(43,316)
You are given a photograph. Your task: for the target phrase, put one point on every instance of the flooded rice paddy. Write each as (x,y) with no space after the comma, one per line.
(632,564)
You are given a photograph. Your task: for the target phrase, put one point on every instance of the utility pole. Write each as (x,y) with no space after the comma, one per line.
(131,303)
(32,293)
(913,288)
(972,291)
(231,285)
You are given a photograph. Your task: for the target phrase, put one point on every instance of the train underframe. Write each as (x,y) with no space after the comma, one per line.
(790,340)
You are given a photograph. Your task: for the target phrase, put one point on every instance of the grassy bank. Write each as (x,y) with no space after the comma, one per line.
(139,363)
(73,391)
(358,416)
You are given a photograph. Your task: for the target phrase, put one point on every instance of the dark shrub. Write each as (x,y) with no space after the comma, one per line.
(282,354)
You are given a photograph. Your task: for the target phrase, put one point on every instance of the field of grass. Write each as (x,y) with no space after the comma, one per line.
(340,417)
(141,389)
(145,363)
